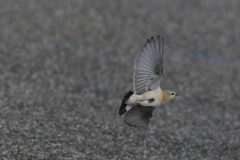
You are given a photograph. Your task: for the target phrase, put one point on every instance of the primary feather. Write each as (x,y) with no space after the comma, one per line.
(148,66)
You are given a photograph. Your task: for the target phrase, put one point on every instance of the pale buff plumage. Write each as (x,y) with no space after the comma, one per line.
(160,97)
(147,95)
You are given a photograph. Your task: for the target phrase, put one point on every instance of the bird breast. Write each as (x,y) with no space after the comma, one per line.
(156,95)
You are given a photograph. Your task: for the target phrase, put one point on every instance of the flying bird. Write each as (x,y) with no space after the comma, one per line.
(147,95)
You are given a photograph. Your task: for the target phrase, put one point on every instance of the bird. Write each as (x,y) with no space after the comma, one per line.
(139,105)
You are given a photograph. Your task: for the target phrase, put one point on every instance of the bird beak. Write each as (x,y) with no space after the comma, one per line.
(176,94)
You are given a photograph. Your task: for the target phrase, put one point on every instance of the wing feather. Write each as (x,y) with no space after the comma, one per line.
(143,57)
(138,117)
(144,66)
(148,66)
(142,61)
(146,57)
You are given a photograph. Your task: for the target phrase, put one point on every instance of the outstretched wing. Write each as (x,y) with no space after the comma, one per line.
(148,66)
(138,117)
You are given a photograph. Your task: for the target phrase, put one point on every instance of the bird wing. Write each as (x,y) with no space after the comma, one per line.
(149,66)
(138,117)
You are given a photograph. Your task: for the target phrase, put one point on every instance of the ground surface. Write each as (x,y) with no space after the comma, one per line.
(65,66)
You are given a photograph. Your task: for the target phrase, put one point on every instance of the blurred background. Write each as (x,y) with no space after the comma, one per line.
(65,66)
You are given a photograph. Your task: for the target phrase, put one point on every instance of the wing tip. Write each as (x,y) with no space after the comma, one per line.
(148,41)
(151,39)
(139,125)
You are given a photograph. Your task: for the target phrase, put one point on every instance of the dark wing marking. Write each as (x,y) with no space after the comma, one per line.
(151,100)
(122,108)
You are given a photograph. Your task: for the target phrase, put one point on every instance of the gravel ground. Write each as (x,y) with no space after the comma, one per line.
(65,66)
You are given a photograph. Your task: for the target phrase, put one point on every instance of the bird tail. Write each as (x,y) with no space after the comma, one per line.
(123,107)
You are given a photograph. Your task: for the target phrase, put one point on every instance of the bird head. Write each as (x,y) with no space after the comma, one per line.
(169,94)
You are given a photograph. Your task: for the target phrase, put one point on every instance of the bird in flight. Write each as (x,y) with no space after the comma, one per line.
(147,95)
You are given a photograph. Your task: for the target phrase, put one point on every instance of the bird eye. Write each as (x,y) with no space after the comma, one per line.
(172,93)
